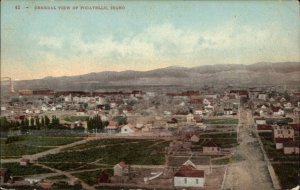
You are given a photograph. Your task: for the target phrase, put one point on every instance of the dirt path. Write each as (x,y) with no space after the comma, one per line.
(67,174)
(34,157)
(250,173)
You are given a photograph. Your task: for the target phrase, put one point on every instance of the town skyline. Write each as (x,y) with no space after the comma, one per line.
(144,36)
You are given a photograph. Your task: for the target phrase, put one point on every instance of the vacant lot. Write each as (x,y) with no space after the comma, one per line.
(108,152)
(17,170)
(27,145)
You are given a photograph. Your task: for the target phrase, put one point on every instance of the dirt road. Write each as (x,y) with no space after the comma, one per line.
(250,173)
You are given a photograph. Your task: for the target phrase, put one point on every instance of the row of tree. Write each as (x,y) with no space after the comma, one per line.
(30,123)
(95,123)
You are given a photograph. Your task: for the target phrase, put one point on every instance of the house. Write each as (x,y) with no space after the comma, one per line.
(262,96)
(127,129)
(291,147)
(121,169)
(74,181)
(190,118)
(206,102)
(287,105)
(228,111)
(189,176)
(264,128)
(198,112)
(80,112)
(172,123)
(103,178)
(111,129)
(4,175)
(260,121)
(24,162)
(211,147)
(209,108)
(45,185)
(280,141)
(277,111)
(296,127)
(284,132)
(194,138)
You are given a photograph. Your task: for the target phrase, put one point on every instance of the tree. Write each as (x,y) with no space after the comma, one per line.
(37,122)
(26,122)
(95,123)
(120,119)
(43,122)
(106,107)
(47,120)
(5,125)
(31,122)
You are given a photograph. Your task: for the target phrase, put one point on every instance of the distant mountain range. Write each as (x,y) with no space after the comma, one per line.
(225,74)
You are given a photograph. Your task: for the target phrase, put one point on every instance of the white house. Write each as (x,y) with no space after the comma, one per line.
(284,132)
(194,138)
(198,112)
(206,102)
(260,121)
(189,176)
(228,111)
(278,112)
(262,96)
(190,118)
(287,105)
(127,129)
(121,169)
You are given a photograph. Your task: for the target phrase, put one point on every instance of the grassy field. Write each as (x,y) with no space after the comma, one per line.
(58,177)
(225,140)
(273,154)
(56,186)
(17,170)
(220,121)
(287,174)
(223,135)
(110,152)
(93,144)
(33,144)
(91,177)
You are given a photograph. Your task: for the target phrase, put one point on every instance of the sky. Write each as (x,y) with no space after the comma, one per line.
(143,35)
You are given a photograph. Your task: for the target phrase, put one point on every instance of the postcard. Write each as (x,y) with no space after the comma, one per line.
(150,95)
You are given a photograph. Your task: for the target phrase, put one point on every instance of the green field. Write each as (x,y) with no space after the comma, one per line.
(76,118)
(58,177)
(221,121)
(225,140)
(90,177)
(93,144)
(32,144)
(56,186)
(17,170)
(287,174)
(273,154)
(109,152)
(221,161)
